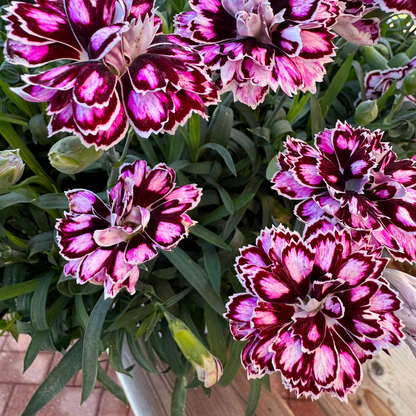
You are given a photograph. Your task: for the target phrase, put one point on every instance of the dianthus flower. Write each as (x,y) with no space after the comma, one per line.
(356,179)
(119,68)
(353,25)
(398,6)
(105,243)
(255,45)
(315,310)
(378,82)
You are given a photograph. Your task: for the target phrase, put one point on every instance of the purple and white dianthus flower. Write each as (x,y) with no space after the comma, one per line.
(313,309)
(119,68)
(352,23)
(259,45)
(356,179)
(105,243)
(378,82)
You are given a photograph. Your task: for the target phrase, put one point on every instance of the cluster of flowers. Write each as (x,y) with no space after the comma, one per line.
(315,308)
(122,70)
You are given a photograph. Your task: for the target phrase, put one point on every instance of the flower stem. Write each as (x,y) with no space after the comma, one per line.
(276,110)
(115,164)
(126,146)
(396,106)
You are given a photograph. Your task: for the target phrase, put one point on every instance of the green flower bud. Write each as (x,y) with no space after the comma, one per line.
(208,367)
(366,112)
(11,167)
(69,155)
(409,84)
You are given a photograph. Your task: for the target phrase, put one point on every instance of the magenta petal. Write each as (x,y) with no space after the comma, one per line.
(97,261)
(311,329)
(82,201)
(403,6)
(241,308)
(270,288)
(140,249)
(28,55)
(94,85)
(147,112)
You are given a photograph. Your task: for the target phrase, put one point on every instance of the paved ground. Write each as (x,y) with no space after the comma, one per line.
(16,388)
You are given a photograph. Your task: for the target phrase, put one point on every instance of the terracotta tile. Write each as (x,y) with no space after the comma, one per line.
(19,399)
(3,339)
(11,367)
(11,344)
(111,406)
(5,393)
(66,403)
(305,407)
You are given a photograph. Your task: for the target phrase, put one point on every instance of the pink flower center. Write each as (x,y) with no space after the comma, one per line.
(255,18)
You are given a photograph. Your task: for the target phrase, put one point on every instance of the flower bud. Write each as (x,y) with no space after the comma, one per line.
(366,112)
(69,155)
(11,167)
(409,83)
(208,367)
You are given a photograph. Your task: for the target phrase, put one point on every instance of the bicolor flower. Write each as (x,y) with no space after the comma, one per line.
(378,82)
(313,309)
(105,242)
(405,285)
(255,45)
(398,6)
(355,178)
(119,69)
(353,25)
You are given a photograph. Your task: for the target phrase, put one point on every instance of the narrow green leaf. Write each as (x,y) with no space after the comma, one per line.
(194,137)
(91,346)
(222,212)
(216,339)
(233,364)
(38,304)
(152,325)
(133,316)
(13,198)
(175,299)
(40,243)
(10,292)
(111,385)
(223,124)
(138,355)
(382,101)
(36,344)
(317,120)
(223,152)
(19,101)
(178,403)
(212,265)
(251,188)
(196,276)
(177,142)
(144,326)
(209,236)
(53,201)
(254,396)
(336,85)
(82,314)
(57,379)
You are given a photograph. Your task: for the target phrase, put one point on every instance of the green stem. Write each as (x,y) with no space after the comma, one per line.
(276,110)
(396,106)
(115,164)
(126,146)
